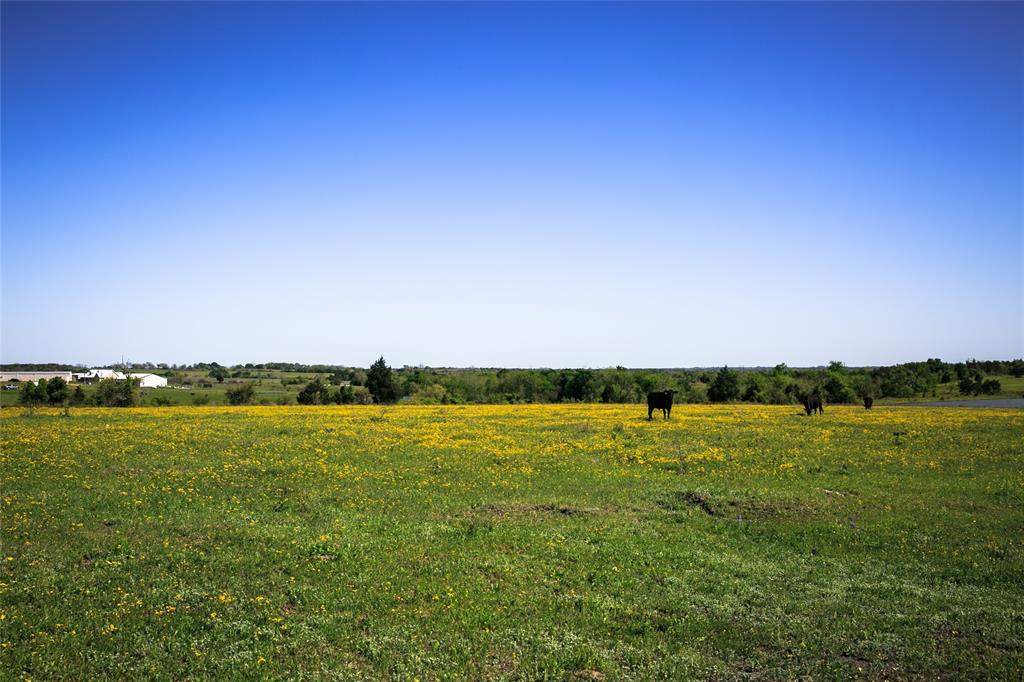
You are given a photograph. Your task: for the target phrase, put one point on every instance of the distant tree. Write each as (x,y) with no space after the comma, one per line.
(837,367)
(113,393)
(78,396)
(576,385)
(898,382)
(968,386)
(864,387)
(346,395)
(753,388)
(314,393)
(381,382)
(724,387)
(242,394)
(219,373)
(1017,368)
(57,391)
(835,389)
(28,395)
(41,394)
(990,386)
(961,371)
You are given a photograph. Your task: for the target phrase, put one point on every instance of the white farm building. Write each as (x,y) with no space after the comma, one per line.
(34,377)
(150,380)
(94,375)
(145,379)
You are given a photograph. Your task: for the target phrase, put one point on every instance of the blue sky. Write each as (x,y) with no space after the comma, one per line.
(512,184)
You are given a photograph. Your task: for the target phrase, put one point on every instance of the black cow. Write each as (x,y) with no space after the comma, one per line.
(868,402)
(660,400)
(812,404)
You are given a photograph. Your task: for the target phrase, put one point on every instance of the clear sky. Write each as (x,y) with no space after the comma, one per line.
(655,185)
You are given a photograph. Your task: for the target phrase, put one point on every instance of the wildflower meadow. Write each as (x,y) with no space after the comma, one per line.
(555,542)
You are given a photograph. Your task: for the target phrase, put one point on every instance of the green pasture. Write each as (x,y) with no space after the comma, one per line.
(561,542)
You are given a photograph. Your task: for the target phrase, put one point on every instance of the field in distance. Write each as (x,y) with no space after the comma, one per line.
(512,542)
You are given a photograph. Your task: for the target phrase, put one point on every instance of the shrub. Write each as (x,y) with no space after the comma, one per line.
(242,394)
(32,394)
(314,393)
(991,386)
(113,393)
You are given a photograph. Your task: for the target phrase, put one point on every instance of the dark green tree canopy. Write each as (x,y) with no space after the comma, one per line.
(724,387)
(381,383)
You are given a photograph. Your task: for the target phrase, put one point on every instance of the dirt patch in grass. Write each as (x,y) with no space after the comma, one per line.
(727,508)
(680,500)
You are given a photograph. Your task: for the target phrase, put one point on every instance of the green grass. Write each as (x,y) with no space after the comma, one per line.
(526,542)
(1010,387)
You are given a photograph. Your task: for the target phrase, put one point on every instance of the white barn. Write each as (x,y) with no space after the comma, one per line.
(150,380)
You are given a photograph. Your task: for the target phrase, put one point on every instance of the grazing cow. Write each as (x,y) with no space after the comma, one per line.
(868,402)
(812,404)
(660,400)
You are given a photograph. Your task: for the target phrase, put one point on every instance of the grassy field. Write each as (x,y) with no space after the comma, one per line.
(1010,387)
(526,542)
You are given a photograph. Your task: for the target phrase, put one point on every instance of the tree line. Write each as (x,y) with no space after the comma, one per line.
(780,385)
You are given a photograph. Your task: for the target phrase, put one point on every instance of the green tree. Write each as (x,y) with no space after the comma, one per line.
(28,394)
(381,382)
(242,394)
(113,393)
(314,393)
(345,395)
(219,373)
(78,396)
(864,387)
(754,388)
(724,387)
(835,388)
(990,386)
(57,391)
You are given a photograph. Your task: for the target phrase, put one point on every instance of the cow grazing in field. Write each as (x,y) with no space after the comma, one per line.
(812,404)
(660,400)
(868,402)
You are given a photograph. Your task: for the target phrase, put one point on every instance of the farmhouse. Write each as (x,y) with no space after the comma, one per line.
(94,375)
(150,380)
(34,377)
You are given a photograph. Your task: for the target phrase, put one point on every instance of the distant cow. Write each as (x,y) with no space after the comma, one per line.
(660,400)
(812,404)
(868,402)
